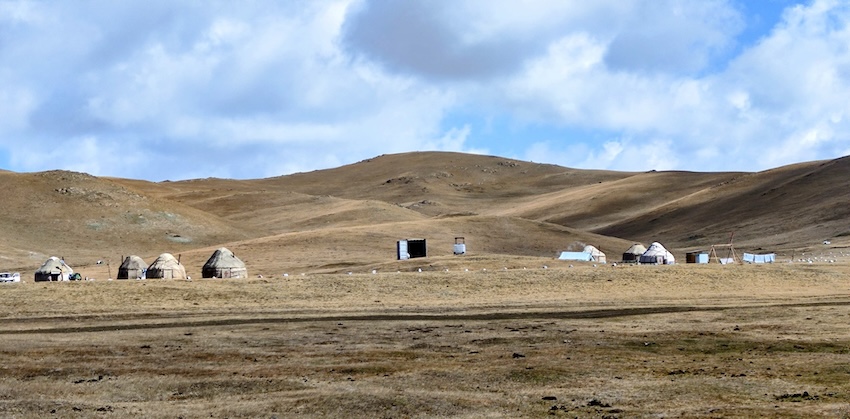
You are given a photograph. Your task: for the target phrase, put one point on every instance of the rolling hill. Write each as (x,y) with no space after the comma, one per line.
(348,218)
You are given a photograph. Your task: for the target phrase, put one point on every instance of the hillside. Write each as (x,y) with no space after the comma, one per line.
(85,218)
(349,217)
(790,207)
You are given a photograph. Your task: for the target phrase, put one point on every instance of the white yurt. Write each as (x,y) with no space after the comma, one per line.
(596,255)
(657,254)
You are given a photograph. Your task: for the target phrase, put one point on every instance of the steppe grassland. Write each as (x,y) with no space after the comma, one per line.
(726,340)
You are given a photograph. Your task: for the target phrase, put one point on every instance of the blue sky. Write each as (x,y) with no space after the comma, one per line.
(161,90)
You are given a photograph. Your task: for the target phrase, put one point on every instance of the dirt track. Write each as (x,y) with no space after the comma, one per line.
(386,317)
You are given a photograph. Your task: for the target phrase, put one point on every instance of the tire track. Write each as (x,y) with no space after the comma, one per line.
(491,316)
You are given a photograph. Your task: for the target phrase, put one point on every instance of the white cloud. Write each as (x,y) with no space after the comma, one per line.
(280,87)
(273,88)
(787,92)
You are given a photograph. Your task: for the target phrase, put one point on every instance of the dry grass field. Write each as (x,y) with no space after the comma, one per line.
(503,331)
(625,341)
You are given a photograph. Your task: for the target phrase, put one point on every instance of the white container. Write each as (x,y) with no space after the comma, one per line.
(460,246)
(401,250)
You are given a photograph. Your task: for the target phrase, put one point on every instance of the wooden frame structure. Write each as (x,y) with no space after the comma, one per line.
(731,256)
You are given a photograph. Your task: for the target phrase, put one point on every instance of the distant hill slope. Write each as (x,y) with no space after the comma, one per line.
(373,246)
(598,205)
(351,216)
(83,218)
(789,207)
(439,183)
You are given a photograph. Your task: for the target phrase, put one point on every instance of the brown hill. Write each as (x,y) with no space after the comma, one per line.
(85,218)
(792,207)
(349,218)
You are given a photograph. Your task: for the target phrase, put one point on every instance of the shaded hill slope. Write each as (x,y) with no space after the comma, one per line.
(789,207)
(595,206)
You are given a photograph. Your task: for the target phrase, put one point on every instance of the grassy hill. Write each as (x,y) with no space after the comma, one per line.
(348,218)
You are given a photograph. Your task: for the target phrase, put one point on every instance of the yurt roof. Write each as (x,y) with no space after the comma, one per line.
(54,263)
(133,262)
(224,258)
(656,247)
(165,259)
(590,249)
(636,249)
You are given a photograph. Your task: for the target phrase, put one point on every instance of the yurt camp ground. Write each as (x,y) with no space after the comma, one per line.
(625,341)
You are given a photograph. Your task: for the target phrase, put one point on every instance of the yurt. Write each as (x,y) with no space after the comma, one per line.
(596,255)
(634,253)
(657,254)
(133,267)
(224,264)
(166,266)
(54,269)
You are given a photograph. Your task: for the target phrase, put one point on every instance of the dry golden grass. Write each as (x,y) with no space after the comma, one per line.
(625,341)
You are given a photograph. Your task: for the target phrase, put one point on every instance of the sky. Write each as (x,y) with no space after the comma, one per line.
(171,90)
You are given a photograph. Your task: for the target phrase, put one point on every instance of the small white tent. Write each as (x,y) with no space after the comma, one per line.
(577,256)
(657,254)
(596,255)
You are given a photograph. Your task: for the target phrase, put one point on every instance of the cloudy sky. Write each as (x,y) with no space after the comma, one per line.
(163,89)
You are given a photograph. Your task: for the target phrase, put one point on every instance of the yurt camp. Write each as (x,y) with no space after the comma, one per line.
(224,264)
(596,255)
(633,254)
(166,266)
(657,254)
(53,269)
(133,267)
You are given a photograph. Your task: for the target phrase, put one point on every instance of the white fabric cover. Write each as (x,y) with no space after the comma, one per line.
(579,256)
(658,254)
(766,258)
(596,255)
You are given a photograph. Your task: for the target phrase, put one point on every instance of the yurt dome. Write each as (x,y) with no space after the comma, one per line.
(634,253)
(224,264)
(133,267)
(166,266)
(596,255)
(53,269)
(657,254)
